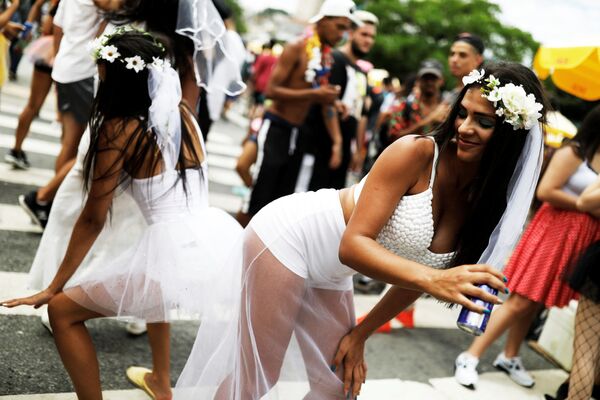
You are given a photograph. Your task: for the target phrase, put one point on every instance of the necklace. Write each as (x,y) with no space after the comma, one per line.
(319,63)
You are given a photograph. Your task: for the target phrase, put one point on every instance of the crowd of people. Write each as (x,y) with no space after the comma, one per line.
(444,182)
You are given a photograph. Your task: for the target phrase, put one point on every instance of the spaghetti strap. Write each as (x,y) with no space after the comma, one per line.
(434,163)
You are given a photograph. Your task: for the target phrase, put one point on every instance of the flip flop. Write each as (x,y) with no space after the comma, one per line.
(136,376)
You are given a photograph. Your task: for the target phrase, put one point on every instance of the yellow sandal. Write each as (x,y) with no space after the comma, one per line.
(136,376)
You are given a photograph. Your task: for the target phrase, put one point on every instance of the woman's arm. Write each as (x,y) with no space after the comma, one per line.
(107,170)
(589,200)
(8,13)
(563,164)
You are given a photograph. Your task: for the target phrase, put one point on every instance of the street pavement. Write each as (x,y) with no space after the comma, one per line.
(403,364)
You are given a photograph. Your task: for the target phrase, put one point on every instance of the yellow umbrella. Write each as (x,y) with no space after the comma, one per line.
(558,127)
(576,70)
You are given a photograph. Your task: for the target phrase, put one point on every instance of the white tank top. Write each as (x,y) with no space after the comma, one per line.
(583,176)
(409,231)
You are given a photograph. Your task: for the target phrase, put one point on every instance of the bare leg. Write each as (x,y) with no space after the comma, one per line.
(519,329)
(159,380)
(75,345)
(586,350)
(48,192)
(271,299)
(503,318)
(72,132)
(40,86)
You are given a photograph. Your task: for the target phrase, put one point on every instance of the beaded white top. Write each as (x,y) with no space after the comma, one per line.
(409,231)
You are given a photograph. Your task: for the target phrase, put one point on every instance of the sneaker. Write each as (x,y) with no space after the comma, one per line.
(465,370)
(515,370)
(136,327)
(38,213)
(17,158)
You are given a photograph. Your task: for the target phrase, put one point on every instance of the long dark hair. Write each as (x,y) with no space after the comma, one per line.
(488,192)
(587,139)
(123,99)
(160,16)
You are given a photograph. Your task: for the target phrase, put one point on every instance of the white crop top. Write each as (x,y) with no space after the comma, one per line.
(409,231)
(583,176)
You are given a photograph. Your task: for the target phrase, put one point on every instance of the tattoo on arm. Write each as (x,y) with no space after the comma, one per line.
(330,113)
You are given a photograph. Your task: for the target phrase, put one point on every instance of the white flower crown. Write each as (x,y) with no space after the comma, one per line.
(518,108)
(101,50)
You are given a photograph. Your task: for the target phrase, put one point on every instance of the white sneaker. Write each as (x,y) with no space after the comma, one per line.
(515,370)
(136,327)
(465,370)
(45,318)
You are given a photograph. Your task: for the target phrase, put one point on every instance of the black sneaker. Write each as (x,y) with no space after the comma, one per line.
(38,213)
(17,158)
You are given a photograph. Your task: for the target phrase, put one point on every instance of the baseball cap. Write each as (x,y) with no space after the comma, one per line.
(366,17)
(337,8)
(471,39)
(433,67)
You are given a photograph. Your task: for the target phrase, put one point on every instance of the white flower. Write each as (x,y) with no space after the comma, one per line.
(158,63)
(135,63)
(474,76)
(310,75)
(493,96)
(493,82)
(109,53)
(94,45)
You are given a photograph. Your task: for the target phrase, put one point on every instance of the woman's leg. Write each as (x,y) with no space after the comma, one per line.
(271,298)
(75,345)
(159,381)
(514,309)
(586,355)
(518,330)
(41,82)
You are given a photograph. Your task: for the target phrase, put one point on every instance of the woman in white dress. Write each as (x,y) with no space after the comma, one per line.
(144,142)
(454,200)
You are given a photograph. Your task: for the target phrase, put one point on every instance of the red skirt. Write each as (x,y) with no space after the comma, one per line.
(551,243)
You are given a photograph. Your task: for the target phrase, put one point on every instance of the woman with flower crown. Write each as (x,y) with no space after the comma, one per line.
(455,200)
(555,238)
(145,142)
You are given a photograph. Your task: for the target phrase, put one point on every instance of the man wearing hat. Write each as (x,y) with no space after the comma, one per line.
(420,115)
(299,79)
(350,107)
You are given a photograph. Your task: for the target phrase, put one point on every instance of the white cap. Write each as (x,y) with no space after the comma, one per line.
(366,17)
(337,8)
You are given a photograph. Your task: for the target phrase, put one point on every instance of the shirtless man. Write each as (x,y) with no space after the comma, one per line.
(293,90)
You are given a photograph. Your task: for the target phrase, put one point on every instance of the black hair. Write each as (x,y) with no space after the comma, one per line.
(472,39)
(587,139)
(487,193)
(122,101)
(160,17)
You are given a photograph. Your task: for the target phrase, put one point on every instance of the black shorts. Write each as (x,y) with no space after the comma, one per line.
(41,66)
(76,98)
(280,152)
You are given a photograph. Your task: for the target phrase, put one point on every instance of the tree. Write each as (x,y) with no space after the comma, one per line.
(238,15)
(411,31)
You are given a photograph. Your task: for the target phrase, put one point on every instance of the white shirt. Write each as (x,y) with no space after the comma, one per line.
(79,20)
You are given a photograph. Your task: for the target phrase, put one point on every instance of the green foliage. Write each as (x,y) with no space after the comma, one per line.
(411,31)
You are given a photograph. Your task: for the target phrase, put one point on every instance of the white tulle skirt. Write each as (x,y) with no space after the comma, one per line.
(172,269)
(292,305)
(121,231)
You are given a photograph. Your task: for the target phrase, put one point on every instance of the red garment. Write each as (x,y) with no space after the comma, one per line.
(552,241)
(262,71)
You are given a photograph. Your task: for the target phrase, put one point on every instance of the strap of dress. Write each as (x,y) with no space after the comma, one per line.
(434,164)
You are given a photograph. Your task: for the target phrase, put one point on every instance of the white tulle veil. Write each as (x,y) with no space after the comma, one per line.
(200,21)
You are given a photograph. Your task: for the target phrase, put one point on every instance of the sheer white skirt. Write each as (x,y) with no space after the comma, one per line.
(121,231)
(293,305)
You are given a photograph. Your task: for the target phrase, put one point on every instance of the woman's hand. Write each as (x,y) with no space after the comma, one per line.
(455,285)
(37,300)
(350,357)
(336,155)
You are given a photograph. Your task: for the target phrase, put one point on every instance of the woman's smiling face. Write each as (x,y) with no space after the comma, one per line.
(474,125)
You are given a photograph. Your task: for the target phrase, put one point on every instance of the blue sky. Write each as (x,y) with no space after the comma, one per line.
(552,22)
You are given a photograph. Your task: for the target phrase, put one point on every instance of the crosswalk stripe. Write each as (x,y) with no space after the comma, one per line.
(15,110)
(41,128)
(32,176)
(31,145)
(13,218)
